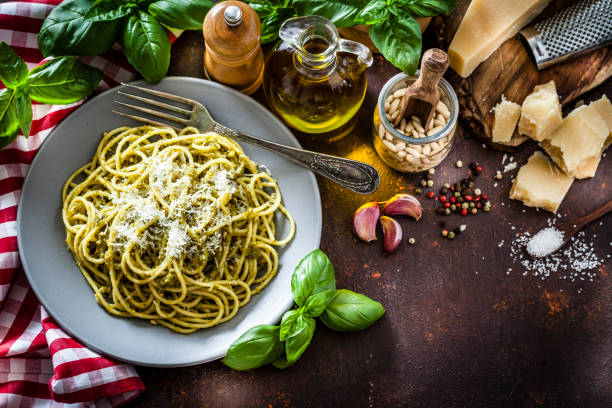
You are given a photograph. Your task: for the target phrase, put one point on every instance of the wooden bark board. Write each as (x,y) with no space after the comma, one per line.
(509,71)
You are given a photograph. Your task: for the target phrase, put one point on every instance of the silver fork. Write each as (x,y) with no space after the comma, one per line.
(354,175)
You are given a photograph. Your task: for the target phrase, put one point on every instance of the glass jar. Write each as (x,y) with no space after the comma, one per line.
(407,153)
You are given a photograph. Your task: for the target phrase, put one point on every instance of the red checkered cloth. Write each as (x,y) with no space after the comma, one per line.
(40,365)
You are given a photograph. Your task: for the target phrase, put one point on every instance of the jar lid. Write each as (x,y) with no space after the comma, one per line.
(231,29)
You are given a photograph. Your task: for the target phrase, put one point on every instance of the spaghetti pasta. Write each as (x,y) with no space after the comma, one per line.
(174,228)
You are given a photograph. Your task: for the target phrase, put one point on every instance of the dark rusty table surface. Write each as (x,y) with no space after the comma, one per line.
(460,330)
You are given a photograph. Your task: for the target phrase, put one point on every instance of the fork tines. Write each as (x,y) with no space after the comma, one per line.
(153,112)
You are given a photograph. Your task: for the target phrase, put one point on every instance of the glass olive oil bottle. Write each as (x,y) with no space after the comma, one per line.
(314,80)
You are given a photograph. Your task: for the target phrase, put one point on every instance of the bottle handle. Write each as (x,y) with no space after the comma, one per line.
(364,55)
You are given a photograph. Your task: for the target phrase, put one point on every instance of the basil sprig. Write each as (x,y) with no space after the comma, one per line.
(91,27)
(393,29)
(58,81)
(313,285)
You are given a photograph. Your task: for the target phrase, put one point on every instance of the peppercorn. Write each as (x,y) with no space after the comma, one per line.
(464,211)
(428,176)
(453,207)
(452,199)
(446,185)
(442,198)
(486,208)
(411,241)
(457,194)
(457,230)
(451,235)
(473,165)
(474,211)
(477,191)
(447,212)
(484,196)
(459,163)
(472,204)
(478,169)
(444,233)
(465,205)
(478,205)
(471,184)
(430,194)
(443,191)
(430,183)
(477,198)
(452,188)
(423,183)
(467,197)
(446,204)
(417,191)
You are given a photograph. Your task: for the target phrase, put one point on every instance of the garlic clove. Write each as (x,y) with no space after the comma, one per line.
(365,220)
(404,204)
(392,232)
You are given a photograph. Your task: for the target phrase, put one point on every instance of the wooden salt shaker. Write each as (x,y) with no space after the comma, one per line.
(233,53)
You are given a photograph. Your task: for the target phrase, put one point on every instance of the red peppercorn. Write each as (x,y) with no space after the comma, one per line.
(453,200)
(442,199)
(484,196)
(467,197)
(452,188)
(464,211)
(430,194)
(479,168)
(478,205)
(476,198)
(446,204)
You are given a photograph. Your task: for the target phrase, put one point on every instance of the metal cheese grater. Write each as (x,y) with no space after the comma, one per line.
(582,27)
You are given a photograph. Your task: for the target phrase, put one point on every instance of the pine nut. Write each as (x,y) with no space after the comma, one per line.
(400,146)
(413,151)
(403,124)
(381,131)
(434,130)
(400,93)
(417,126)
(401,154)
(388,137)
(412,159)
(415,134)
(394,106)
(443,110)
(426,150)
(389,145)
(416,119)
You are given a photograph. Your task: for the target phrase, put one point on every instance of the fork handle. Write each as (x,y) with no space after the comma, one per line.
(354,175)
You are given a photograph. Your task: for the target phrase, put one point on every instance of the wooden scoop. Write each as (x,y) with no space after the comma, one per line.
(422,96)
(570,229)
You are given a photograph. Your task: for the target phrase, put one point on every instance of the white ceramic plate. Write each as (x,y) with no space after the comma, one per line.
(59,284)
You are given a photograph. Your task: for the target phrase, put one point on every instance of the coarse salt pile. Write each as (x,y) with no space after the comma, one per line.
(545,242)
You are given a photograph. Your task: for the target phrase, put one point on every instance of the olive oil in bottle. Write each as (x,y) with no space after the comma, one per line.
(313,80)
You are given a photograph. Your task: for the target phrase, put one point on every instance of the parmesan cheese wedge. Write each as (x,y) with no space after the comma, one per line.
(540,183)
(487,24)
(576,145)
(541,112)
(604,107)
(506,117)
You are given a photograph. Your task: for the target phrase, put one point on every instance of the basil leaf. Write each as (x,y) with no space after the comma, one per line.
(288,324)
(316,304)
(183,14)
(350,311)
(23,106)
(427,8)
(341,12)
(13,70)
(399,40)
(65,31)
(375,11)
(270,25)
(108,10)
(62,80)
(147,47)
(314,274)
(256,347)
(297,344)
(9,123)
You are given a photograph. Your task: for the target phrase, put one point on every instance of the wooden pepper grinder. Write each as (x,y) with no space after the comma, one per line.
(422,96)
(233,53)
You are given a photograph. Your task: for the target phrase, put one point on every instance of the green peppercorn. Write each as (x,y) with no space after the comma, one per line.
(486,208)
(474,211)
(447,211)
(430,183)
(453,207)
(457,194)
(471,184)
(451,235)
(417,191)
(472,204)
(465,205)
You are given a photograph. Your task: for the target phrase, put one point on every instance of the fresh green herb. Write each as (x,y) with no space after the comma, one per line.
(350,311)
(88,27)
(313,281)
(314,274)
(58,81)
(186,14)
(256,347)
(341,12)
